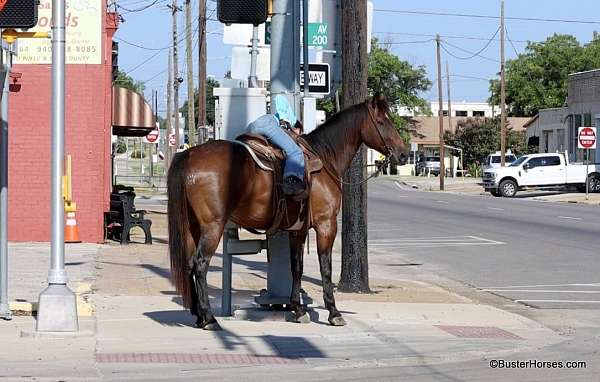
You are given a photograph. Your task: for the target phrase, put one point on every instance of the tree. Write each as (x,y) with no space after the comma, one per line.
(126,81)
(211,83)
(478,137)
(537,79)
(398,81)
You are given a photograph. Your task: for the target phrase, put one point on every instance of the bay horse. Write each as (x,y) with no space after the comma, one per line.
(219,181)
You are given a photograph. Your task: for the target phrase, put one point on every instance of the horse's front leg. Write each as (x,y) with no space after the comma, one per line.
(297,263)
(326,232)
(209,240)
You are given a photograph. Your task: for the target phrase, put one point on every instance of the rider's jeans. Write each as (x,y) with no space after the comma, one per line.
(268,126)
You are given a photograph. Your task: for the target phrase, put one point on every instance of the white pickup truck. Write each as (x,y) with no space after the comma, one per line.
(540,171)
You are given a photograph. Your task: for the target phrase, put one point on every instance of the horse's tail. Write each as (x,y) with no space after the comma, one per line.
(180,236)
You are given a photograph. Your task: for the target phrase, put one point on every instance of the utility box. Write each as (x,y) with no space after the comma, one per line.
(237,107)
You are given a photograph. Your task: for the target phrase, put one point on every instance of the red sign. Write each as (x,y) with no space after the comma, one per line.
(172,141)
(152,136)
(586,137)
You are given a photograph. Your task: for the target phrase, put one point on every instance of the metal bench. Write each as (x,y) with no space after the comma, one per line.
(123,216)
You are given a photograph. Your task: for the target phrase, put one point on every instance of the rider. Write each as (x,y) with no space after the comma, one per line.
(271,126)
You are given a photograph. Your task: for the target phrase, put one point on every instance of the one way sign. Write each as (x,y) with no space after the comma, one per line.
(318,75)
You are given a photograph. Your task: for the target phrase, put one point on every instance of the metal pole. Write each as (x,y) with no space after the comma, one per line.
(502,91)
(202,129)
(587,172)
(4,306)
(305,45)
(57,310)
(192,134)
(252,80)
(175,8)
(440,114)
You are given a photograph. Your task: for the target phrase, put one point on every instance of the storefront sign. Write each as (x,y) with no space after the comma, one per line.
(84,35)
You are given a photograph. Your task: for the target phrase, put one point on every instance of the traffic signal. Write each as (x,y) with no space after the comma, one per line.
(242,11)
(19,13)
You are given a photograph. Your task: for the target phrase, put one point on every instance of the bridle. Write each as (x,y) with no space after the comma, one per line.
(389,155)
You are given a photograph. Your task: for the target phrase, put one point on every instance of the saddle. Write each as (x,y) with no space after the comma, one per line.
(291,213)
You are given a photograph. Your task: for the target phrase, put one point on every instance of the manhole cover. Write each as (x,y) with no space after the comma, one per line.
(197,358)
(490,332)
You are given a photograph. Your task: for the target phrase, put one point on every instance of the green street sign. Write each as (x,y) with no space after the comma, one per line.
(268,33)
(317,34)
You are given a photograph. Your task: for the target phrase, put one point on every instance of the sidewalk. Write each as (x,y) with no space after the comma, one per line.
(472,186)
(140,331)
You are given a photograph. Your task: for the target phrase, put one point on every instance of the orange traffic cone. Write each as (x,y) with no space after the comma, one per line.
(71,230)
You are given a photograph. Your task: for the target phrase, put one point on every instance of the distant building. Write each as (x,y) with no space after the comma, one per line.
(459,109)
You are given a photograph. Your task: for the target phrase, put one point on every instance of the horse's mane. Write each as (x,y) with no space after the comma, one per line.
(339,126)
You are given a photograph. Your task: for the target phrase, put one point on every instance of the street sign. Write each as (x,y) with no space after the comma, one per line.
(172,141)
(586,137)
(318,75)
(268,33)
(152,136)
(317,34)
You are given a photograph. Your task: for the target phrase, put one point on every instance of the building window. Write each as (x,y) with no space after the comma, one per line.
(445,113)
(461,113)
(478,113)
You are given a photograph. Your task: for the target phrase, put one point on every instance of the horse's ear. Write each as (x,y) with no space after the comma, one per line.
(378,102)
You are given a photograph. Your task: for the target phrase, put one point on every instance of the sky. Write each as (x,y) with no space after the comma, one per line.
(147,24)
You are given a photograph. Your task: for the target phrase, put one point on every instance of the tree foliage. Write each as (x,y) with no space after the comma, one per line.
(397,80)
(126,81)
(478,137)
(537,79)
(211,83)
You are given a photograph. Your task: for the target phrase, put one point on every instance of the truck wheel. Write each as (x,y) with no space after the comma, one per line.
(593,183)
(495,193)
(508,188)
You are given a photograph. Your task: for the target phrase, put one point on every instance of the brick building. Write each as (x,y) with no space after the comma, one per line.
(88,123)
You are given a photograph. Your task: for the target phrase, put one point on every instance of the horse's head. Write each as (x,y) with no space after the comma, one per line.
(380,133)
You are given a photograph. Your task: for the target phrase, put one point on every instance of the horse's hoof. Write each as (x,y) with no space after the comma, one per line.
(303,319)
(337,321)
(213,326)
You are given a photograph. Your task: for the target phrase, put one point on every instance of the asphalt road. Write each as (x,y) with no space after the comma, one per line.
(537,253)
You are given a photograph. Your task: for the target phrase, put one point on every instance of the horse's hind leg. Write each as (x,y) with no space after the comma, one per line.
(207,244)
(296,251)
(325,235)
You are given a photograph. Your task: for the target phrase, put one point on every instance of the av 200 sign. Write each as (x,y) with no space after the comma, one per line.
(586,137)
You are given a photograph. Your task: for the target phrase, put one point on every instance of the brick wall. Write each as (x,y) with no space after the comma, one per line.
(87,139)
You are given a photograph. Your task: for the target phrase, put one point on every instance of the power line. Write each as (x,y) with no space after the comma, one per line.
(443,36)
(144,62)
(406,42)
(466,51)
(155,2)
(486,16)
(510,41)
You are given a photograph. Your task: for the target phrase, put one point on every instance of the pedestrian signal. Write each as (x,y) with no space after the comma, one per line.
(18,13)
(242,11)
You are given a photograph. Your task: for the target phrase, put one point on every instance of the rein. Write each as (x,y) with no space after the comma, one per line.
(380,167)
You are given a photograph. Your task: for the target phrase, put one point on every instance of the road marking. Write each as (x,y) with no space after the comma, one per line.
(495,209)
(432,242)
(540,286)
(569,218)
(542,291)
(564,301)
(442,201)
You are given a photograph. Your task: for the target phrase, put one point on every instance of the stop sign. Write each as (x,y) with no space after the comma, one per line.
(586,137)
(152,136)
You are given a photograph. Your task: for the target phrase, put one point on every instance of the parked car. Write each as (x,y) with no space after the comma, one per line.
(540,171)
(493,160)
(428,165)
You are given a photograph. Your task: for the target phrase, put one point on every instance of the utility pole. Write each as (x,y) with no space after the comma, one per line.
(202,131)
(169,109)
(502,91)
(174,9)
(355,267)
(440,113)
(192,137)
(450,127)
